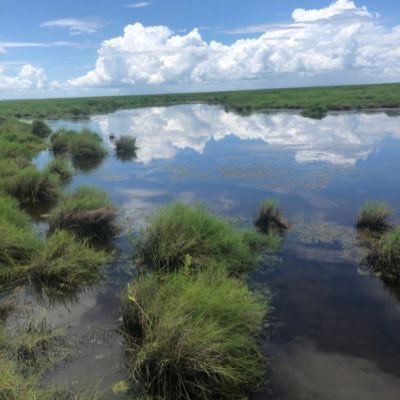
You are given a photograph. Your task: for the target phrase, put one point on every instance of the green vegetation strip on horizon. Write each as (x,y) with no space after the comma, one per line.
(315,100)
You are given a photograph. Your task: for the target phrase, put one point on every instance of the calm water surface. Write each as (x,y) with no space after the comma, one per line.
(334,332)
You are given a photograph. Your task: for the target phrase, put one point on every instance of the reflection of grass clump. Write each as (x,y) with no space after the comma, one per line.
(374,216)
(269,218)
(180,230)
(67,262)
(60,167)
(384,257)
(88,212)
(40,129)
(30,186)
(193,336)
(125,147)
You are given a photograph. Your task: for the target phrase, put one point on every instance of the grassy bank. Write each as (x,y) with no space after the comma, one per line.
(355,97)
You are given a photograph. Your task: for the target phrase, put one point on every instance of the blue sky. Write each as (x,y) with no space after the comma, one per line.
(47,48)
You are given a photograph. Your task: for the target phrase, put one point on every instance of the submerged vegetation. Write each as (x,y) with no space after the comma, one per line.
(269,218)
(88,212)
(125,148)
(353,97)
(374,216)
(193,336)
(180,230)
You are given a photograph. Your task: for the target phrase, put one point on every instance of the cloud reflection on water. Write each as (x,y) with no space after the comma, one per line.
(337,139)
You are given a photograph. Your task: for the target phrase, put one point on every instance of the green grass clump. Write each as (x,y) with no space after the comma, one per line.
(125,148)
(67,262)
(374,216)
(384,257)
(18,242)
(315,112)
(270,218)
(40,129)
(87,145)
(16,385)
(30,186)
(194,336)
(60,141)
(181,230)
(87,212)
(59,166)
(83,145)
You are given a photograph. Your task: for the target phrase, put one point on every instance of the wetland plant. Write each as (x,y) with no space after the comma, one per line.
(384,257)
(59,166)
(179,230)
(87,145)
(125,148)
(31,186)
(87,212)
(84,145)
(60,141)
(374,216)
(18,242)
(315,112)
(67,262)
(193,336)
(269,218)
(41,129)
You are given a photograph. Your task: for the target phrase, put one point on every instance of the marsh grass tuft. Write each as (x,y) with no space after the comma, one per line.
(125,148)
(384,256)
(374,216)
(87,212)
(193,336)
(66,263)
(18,242)
(269,218)
(83,145)
(59,166)
(31,186)
(179,230)
(40,129)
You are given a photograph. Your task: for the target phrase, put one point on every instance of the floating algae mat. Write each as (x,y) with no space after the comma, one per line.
(330,331)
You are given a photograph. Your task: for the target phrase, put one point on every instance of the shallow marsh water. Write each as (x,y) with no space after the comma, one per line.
(334,333)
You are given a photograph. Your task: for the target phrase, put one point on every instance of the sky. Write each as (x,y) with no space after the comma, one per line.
(104,47)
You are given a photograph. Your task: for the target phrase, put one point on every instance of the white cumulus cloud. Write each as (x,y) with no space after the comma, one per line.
(338,40)
(27,78)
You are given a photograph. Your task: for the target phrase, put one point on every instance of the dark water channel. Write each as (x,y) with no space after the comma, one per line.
(334,331)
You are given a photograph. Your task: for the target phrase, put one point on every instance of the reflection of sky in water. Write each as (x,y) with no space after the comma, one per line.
(334,332)
(163,131)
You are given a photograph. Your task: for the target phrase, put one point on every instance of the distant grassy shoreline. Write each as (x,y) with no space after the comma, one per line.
(330,98)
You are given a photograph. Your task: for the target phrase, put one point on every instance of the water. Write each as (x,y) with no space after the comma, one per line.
(334,332)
